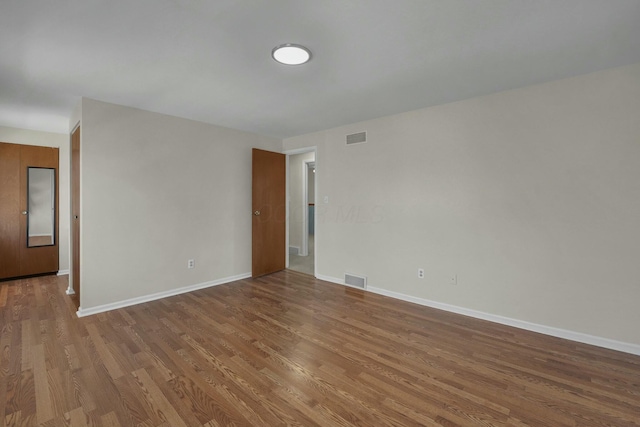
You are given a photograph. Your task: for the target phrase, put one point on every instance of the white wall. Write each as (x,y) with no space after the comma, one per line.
(61,141)
(156,191)
(296,203)
(531,197)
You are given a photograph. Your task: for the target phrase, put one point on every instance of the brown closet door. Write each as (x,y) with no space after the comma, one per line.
(16,257)
(41,259)
(9,210)
(268,212)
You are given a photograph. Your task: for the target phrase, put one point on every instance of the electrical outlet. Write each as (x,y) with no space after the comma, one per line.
(453,279)
(191,263)
(421,273)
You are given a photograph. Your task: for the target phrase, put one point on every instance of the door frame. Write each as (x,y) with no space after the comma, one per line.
(305,237)
(304,250)
(73,269)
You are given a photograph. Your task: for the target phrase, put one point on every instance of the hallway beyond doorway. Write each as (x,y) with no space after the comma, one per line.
(303,264)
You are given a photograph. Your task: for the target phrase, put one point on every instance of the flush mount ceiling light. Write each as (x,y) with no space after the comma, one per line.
(291,54)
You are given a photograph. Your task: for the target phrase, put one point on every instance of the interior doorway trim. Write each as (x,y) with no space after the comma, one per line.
(305,244)
(304,250)
(74,187)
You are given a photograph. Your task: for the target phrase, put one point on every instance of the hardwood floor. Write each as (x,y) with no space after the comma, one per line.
(287,349)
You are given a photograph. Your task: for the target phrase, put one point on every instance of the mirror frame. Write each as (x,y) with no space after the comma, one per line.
(54,188)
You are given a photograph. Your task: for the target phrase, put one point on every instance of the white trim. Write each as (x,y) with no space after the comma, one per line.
(301,150)
(63,272)
(82,312)
(70,291)
(304,250)
(287,210)
(315,214)
(305,204)
(330,279)
(520,324)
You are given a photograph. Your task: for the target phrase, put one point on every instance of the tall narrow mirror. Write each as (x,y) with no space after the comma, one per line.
(41,210)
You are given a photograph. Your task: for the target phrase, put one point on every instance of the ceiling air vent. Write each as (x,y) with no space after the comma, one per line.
(355,281)
(356,138)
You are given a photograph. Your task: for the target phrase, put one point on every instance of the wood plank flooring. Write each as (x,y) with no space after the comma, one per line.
(291,350)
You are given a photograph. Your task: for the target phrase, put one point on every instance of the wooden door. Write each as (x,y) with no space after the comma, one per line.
(75,214)
(9,210)
(18,257)
(38,259)
(269,212)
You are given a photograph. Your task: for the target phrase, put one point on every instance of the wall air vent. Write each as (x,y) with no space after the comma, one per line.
(356,138)
(355,281)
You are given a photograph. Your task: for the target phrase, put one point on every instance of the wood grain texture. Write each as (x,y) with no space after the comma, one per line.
(75,215)
(287,349)
(268,228)
(16,258)
(42,259)
(9,210)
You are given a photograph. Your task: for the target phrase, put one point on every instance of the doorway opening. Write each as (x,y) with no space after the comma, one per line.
(74,278)
(301,223)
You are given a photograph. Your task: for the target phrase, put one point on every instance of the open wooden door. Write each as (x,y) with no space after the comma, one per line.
(269,212)
(75,215)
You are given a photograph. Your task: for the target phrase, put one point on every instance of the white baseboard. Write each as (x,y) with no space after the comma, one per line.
(82,312)
(294,250)
(521,324)
(330,279)
(63,272)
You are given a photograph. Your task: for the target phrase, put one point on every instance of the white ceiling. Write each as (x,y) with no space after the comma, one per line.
(209,60)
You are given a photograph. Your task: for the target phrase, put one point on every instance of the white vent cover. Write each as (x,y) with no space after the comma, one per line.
(355,281)
(356,138)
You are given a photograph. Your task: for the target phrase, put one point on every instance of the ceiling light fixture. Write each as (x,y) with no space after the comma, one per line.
(291,54)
